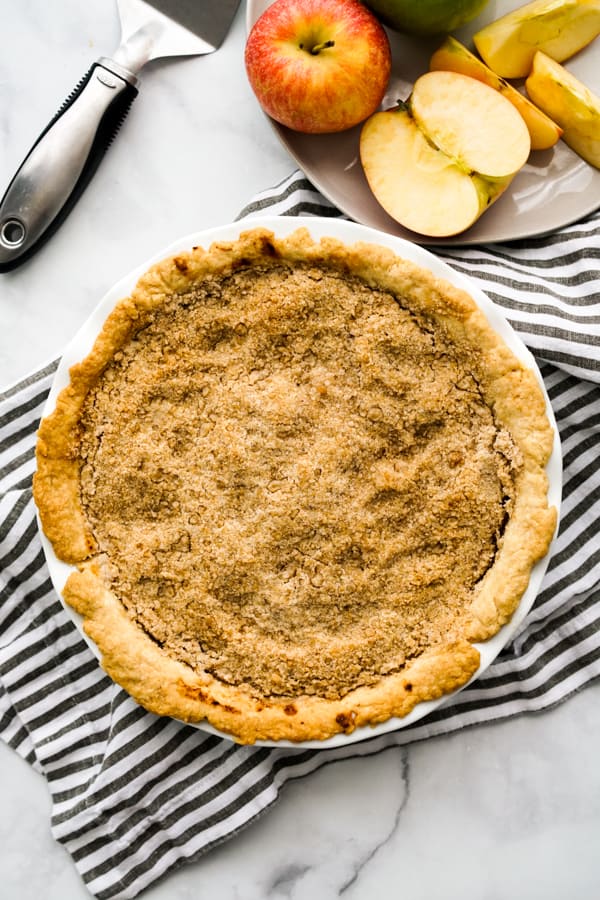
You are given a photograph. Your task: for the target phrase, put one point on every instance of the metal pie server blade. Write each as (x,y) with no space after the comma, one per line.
(160,28)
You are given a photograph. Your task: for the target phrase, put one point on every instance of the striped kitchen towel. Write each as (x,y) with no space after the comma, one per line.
(135,795)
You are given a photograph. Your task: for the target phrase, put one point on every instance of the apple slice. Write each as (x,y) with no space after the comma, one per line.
(557,27)
(453,56)
(470,122)
(437,162)
(571,103)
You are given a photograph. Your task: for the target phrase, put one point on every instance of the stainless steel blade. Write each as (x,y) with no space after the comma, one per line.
(152,29)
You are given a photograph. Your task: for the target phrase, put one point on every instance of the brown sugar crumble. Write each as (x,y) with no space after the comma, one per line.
(296,480)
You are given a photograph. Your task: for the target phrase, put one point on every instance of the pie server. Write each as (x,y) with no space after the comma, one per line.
(67,153)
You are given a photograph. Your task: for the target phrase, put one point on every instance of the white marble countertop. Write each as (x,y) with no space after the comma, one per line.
(507,810)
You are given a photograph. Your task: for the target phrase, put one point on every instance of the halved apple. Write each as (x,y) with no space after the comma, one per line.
(559,28)
(453,56)
(438,161)
(570,102)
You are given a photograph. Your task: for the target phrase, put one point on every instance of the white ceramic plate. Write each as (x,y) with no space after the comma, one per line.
(556,187)
(348,232)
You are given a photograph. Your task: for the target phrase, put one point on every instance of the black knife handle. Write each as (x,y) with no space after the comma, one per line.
(62,161)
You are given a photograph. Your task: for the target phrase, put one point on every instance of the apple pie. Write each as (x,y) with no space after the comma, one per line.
(297,482)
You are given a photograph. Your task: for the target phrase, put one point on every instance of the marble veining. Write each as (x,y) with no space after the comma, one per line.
(510,810)
(401,757)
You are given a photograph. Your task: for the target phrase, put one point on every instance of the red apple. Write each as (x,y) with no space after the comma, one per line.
(318,66)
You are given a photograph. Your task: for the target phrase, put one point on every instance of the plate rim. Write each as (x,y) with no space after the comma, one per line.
(348,231)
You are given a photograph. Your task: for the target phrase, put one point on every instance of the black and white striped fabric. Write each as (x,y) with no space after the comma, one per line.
(135,795)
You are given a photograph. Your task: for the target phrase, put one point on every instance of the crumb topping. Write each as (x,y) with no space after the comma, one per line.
(295,481)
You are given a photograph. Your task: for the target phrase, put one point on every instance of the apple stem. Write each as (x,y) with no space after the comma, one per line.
(318,47)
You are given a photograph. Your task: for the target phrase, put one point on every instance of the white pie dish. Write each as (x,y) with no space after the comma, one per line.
(348,232)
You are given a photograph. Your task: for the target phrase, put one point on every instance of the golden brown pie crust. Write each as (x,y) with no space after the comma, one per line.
(298,480)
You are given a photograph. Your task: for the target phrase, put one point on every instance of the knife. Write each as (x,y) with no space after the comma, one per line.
(65,156)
